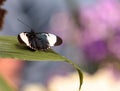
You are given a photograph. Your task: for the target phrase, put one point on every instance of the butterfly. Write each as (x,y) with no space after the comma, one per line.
(39,41)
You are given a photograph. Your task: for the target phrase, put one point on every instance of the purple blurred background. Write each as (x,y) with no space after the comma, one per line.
(90,30)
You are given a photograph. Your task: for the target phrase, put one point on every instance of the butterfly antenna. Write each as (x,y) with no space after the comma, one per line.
(24,23)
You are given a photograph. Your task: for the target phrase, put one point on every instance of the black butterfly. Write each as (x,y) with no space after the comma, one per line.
(39,41)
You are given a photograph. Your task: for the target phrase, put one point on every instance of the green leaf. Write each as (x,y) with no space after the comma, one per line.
(10,48)
(4,86)
(79,71)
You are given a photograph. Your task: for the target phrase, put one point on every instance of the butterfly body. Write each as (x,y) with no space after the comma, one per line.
(39,41)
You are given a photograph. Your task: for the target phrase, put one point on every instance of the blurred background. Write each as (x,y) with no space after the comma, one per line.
(90,30)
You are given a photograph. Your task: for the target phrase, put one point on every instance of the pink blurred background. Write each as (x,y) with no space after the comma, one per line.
(90,30)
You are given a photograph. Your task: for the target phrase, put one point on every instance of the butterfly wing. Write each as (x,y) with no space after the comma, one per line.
(47,40)
(52,39)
